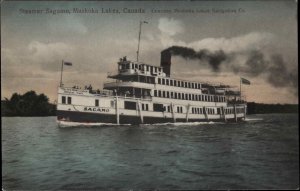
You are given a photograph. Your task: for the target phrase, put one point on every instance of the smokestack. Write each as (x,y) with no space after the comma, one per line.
(165,62)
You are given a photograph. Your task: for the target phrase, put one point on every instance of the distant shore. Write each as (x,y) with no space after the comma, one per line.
(261,108)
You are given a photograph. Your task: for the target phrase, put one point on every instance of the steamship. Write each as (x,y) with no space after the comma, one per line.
(141,93)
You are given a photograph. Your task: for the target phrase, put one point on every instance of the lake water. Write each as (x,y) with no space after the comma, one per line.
(261,153)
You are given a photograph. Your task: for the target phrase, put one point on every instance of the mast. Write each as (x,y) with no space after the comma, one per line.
(140,31)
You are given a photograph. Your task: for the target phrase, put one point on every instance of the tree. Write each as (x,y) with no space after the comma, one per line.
(28,104)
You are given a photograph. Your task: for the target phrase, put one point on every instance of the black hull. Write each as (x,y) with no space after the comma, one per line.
(84,117)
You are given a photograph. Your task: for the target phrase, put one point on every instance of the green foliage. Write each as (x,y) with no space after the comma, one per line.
(28,104)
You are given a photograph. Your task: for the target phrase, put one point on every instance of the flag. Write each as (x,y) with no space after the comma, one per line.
(245,81)
(68,63)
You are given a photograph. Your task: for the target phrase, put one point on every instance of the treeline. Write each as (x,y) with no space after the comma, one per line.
(28,104)
(260,108)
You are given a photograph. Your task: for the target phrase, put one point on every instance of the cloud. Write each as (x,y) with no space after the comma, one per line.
(250,41)
(48,55)
(170,26)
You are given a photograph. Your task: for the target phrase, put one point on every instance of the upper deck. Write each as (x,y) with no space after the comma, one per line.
(140,75)
(129,68)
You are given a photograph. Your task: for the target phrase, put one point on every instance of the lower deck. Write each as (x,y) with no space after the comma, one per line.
(85,117)
(89,108)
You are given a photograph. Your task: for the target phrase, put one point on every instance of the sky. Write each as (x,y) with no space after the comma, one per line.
(257,41)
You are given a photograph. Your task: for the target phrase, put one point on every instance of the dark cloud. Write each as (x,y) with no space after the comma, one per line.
(256,63)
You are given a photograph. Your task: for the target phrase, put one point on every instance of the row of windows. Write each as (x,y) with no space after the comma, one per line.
(200,110)
(140,67)
(231,110)
(197,110)
(184,96)
(178,83)
(63,100)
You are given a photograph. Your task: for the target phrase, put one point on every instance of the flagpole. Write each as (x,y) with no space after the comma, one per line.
(62,65)
(137,52)
(140,31)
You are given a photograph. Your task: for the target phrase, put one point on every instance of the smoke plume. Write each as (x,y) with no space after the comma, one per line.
(256,63)
(214,59)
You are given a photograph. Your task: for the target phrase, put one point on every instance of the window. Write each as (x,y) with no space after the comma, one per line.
(175,95)
(175,83)
(182,95)
(164,94)
(158,107)
(159,93)
(145,107)
(136,66)
(189,84)
(179,95)
(63,99)
(155,69)
(186,85)
(155,93)
(171,82)
(123,66)
(130,105)
(69,100)
(163,81)
(159,81)
(172,94)
(167,81)
(96,102)
(112,104)
(168,94)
